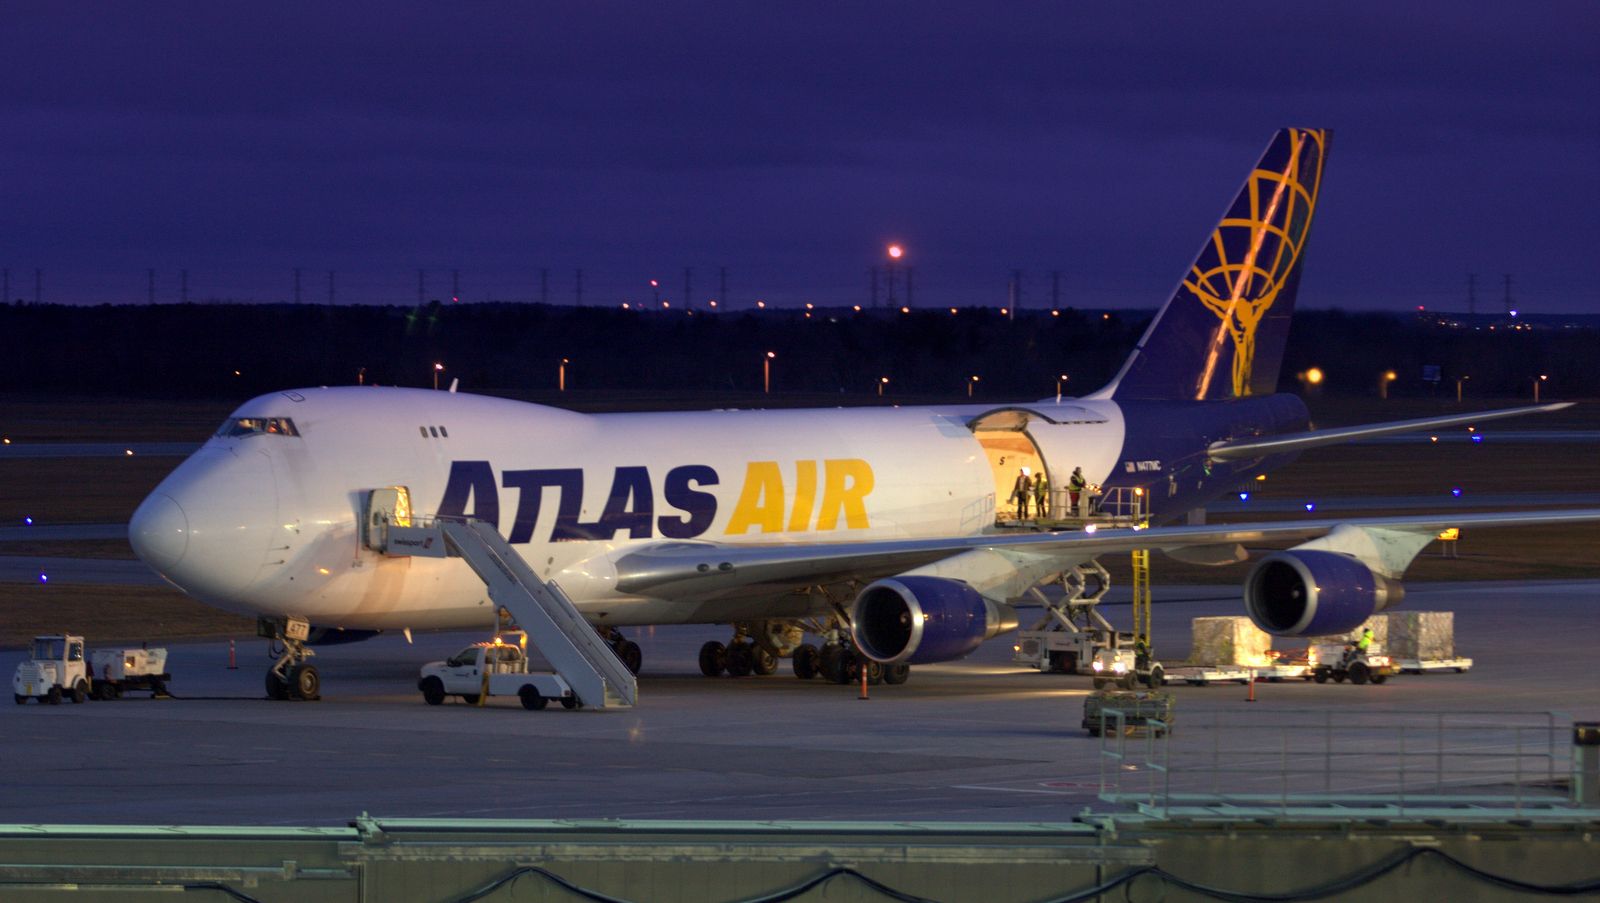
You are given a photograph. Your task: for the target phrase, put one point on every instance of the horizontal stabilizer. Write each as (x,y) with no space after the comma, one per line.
(1235,450)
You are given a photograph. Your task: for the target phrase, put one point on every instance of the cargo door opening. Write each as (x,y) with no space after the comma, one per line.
(388,506)
(1012,454)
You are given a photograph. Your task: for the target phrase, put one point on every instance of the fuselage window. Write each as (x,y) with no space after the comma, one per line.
(423,430)
(252,426)
(443,432)
(433,431)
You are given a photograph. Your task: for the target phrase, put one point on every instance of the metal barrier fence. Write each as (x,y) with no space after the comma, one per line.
(1345,764)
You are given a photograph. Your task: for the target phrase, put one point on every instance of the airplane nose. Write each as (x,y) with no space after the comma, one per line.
(208,526)
(159,531)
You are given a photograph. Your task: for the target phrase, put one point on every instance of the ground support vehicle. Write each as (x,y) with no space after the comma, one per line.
(55,668)
(1204,675)
(1434,665)
(495,668)
(119,671)
(1072,637)
(1141,710)
(1341,662)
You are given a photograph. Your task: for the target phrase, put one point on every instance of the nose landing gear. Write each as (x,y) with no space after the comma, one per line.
(292,676)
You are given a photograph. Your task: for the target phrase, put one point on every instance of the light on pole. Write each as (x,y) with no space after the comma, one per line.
(766,373)
(972,382)
(438,368)
(561,375)
(895,253)
(882,381)
(1383,383)
(1542,378)
(1459,381)
(1310,379)
(1060,381)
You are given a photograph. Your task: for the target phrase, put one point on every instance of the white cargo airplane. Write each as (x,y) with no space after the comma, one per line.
(873,528)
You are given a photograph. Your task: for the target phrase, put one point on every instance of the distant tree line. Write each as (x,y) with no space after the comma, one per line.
(234,351)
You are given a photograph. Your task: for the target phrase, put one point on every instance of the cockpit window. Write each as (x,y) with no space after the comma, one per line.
(250,426)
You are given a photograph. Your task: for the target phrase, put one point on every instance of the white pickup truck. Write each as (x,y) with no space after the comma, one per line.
(495,668)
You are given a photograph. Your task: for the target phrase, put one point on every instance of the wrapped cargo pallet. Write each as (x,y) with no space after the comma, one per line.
(1229,641)
(1421,635)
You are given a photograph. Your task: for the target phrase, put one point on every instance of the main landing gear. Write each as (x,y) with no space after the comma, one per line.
(627,650)
(292,676)
(756,648)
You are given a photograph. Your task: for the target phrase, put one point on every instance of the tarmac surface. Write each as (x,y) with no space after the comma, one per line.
(979,739)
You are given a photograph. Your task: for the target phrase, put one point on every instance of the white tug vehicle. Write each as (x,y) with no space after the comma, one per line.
(495,668)
(55,668)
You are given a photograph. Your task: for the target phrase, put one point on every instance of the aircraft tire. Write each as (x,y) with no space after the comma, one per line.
(833,664)
(632,656)
(763,662)
(896,674)
(305,683)
(741,659)
(531,700)
(713,658)
(805,661)
(277,687)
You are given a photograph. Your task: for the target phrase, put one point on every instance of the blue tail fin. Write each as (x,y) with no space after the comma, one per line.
(1223,332)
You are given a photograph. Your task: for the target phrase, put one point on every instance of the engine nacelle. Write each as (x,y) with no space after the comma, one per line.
(915,619)
(1308,592)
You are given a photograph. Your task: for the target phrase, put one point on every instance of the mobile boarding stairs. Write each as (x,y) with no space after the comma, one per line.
(576,651)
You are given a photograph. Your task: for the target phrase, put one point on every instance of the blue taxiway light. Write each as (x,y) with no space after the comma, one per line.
(1244,496)
(28,521)
(1455,491)
(1477,438)
(1311,506)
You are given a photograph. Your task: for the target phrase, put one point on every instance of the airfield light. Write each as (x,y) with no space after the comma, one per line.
(952,310)
(43,577)
(1459,381)
(761,305)
(1314,376)
(810,306)
(561,375)
(882,381)
(625,305)
(1105,316)
(128,452)
(1261,478)
(971,382)
(1433,439)
(713,303)
(1055,313)
(666,305)
(1060,381)
(1513,313)
(766,373)
(5,441)
(1542,378)
(1383,384)
(1311,506)
(1244,496)
(1455,492)
(896,252)
(905,310)
(235,373)
(437,369)
(27,521)
(1477,438)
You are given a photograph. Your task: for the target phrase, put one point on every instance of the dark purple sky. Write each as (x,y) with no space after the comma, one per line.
(789,143)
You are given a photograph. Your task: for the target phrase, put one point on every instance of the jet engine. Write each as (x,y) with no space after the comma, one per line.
(1307,592)
(916,619)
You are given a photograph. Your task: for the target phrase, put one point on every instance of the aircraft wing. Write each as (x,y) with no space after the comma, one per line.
(704,569)
(1236,449)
